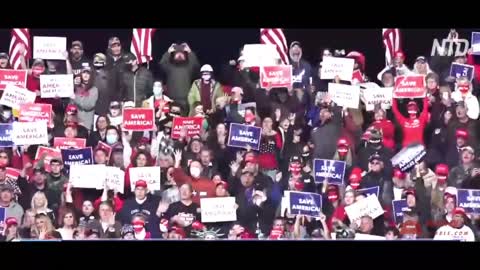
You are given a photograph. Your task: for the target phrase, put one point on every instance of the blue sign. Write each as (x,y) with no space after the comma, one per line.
(408,157)
(469,199)
(475,43)
(6,135)
(398,207)
(82,156)
(334,170)
(460,70)
(243,135)
(305,203)
(3,214)
(369,191)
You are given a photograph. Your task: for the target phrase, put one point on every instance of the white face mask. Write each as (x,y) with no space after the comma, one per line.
(195,172)
(206,77)
(157,91)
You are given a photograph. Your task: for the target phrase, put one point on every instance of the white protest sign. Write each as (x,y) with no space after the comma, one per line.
(373,96)
(60,85)
(25,133)
(347,96)
(257,55)
(218,209)
(337,66)
(51,48)
(369,206)
(87,176)
(242,107)
(115,179)
(362,236)
(14,96)
(149,174)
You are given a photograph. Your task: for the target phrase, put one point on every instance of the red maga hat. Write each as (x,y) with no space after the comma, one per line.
(141,183)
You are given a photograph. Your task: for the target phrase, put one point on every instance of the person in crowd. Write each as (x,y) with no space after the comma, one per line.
(11,233)
(206,90)
(461,120)
(85,98)
(302,70)
(412,126)
(459,174)
(453,152)
(106,225)
(39,205)
(106,82)
(180,64)
(136,81)
(144,203)
(325,136)
(386,128)
(67,225)
(77,58)
(456,229)
(7,201)
(42,228)
(158,101)
(100,133)
(463,92)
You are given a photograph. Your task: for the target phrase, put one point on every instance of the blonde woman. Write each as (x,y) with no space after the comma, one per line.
(39,205)
(43,227)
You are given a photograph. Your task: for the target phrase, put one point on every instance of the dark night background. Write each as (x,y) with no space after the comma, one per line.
(218,46)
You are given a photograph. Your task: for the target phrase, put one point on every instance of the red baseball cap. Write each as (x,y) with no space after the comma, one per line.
(225,185)
(397,173)
(461,133)
(141,183)
(71,109)
(459,211)
(355,177)
(441,170)
(399,54)
(11,221)
(251,158)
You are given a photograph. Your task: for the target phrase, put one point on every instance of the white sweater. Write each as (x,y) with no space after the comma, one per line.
(471,101)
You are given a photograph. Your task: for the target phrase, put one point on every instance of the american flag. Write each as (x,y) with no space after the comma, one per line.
(392,42)
(19,36)
(276,37)
(142,44)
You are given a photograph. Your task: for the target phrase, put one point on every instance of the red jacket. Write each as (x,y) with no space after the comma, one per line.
(118,203)
(340,214)
(202,187)
(388,131)
(412,128)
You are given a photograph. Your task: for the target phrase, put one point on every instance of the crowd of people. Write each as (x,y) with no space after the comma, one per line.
(298,125)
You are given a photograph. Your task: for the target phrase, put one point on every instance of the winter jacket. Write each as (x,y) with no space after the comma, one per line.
(95,138)
(385,153)
(179,76)
(14,210)
(107,234)
(136,86)
(194,95)
(412,129)
(438,145)
(471,182)
(301,74)
(86,106)
(385,184)
(452,157)
(471,103)
(458,175)
(325,136)
(148,208)
(106,82)
(249,214)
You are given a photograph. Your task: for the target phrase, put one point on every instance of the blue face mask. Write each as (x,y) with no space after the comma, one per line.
(111,139)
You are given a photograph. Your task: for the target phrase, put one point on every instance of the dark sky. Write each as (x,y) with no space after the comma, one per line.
(217,46)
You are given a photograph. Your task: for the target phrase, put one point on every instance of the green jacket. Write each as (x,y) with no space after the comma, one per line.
(194,94)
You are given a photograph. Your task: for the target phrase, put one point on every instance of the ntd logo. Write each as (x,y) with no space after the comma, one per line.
(446,48)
